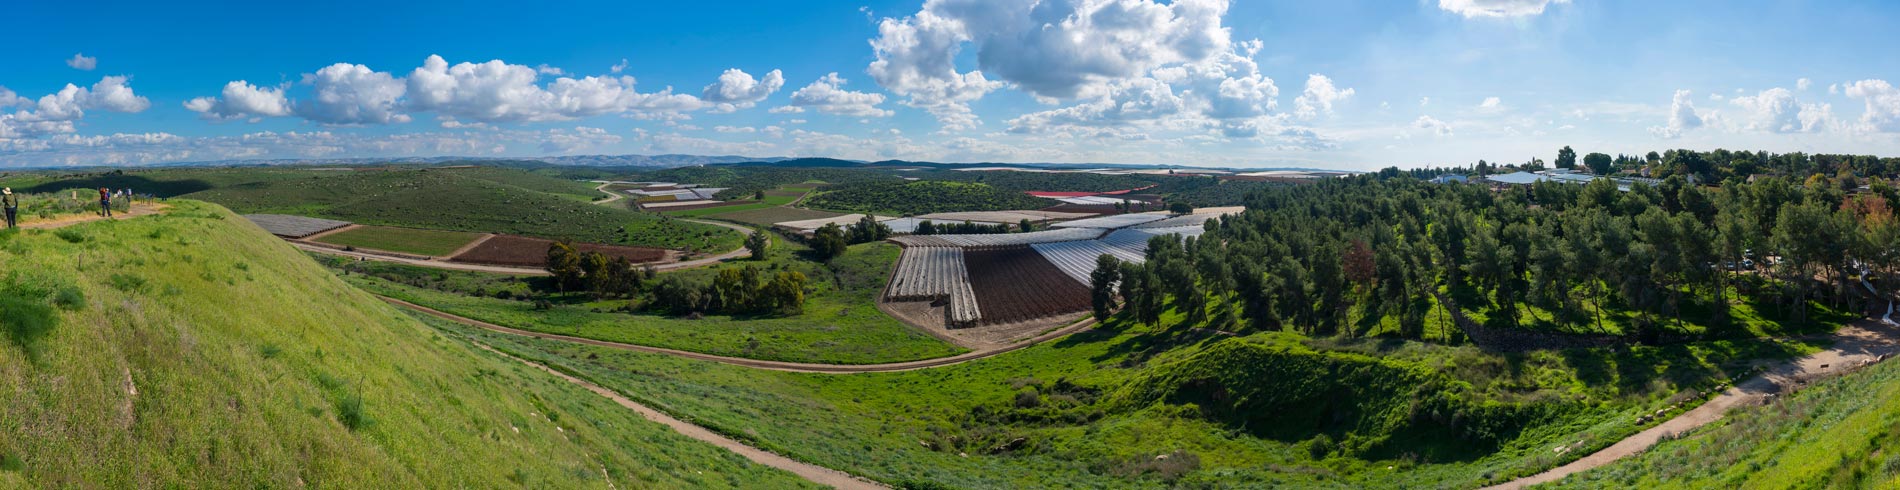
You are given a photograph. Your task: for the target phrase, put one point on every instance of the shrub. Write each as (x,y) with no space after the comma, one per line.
(126,282)
(69,298)
(24,314)
(70,235)
(349,411)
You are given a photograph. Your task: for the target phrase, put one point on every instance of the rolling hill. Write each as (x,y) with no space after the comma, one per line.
(191,348)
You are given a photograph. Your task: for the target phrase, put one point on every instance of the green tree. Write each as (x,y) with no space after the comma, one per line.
(1180,207)
(757,243)
(565,265)
(1598,163)
(1102,285)
(828,242)
(1566,158)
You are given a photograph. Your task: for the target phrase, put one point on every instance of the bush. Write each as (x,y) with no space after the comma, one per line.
(70,235)
(24,314)
(349,411)
(69,298)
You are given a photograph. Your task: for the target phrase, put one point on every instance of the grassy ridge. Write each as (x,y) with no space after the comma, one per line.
(193,349)
(1100,409)
(1838,433)
(481,199)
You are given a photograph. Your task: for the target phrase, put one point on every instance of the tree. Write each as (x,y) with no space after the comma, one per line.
(1180,207)
(757,244)
(828,242)
(1598,163)
(595,275)
(1026,225)
(925,227)
(786,293)
(1102,285)
(758,196)
(867,230)
(1566,158)
(565,265)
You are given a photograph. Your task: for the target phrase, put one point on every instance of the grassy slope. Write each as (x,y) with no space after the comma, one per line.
(246,358)
(1089,428)
(1839,433)
(405,240)
(483,199)
(841,323)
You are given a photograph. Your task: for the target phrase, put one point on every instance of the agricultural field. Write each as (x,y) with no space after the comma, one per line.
(921,197)
(840,323)
(480,200)
(933,274)
(772,215)
(1097,408)
(1016,284)
(520,251)
(192,349)
(431,243)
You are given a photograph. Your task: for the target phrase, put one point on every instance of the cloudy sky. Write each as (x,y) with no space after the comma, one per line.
(1343,84)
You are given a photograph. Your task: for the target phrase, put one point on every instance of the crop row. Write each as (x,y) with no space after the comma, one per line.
(933,273)
(1016,284)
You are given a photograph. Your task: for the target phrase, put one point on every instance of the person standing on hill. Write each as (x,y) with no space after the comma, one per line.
(11,205)
(105,202)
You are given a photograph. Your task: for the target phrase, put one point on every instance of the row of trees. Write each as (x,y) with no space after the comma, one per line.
(734,291)
(1381,246)
(594,272)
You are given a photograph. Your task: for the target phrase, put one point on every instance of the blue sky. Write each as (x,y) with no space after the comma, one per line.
(1337,84)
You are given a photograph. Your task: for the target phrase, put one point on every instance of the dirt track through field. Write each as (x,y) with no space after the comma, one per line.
(138,209)
(817,474)
(791,367)
(1856,345)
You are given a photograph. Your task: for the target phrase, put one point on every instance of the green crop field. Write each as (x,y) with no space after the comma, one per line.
(744,205)
(433,243)
(769,216)
(840,324)
(1127,406)
(482,199)
(190,350)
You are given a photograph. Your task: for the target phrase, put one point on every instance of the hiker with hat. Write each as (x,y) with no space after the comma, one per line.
(12,206)
(105,202)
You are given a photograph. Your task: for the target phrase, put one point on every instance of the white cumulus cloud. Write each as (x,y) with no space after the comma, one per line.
(1883,104)
(1775,110)
(1682,117)
(826,95)
(736,89)
(1319,96)
(353,94)
(1050,49)
(241,100)
(1432,125)
(81,62)
(1497,8)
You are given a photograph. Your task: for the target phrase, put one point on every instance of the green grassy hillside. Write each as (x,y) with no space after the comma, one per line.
(194,350)
(1840,433)
(1128,406)
(481,199)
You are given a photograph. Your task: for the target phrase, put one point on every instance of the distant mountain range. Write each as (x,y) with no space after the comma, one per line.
(672,160)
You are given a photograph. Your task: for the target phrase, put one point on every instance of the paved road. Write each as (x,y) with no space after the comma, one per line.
(793,367)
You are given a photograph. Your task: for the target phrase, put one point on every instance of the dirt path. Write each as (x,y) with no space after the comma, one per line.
(470,246)
(138,209)
(611,196)
(792,367)
(817,474)
(438,264)
(1856,345)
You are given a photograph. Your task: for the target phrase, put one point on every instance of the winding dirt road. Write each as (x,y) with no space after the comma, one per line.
(1856,345)
(817,474)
